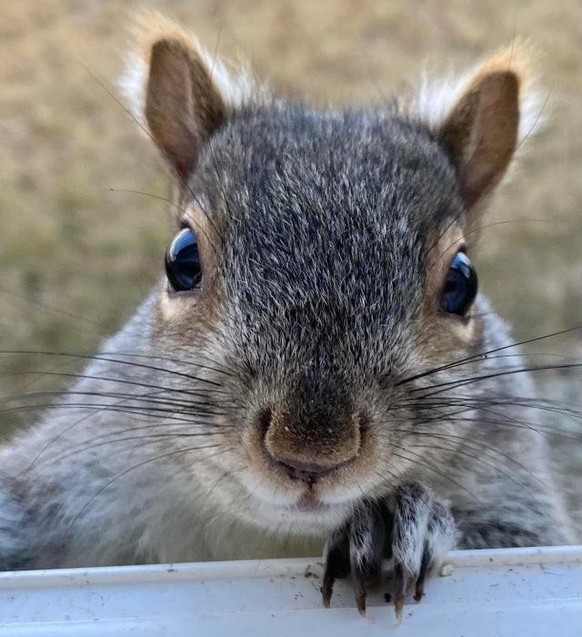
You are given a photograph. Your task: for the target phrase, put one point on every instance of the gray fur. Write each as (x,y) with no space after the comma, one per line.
(322,221)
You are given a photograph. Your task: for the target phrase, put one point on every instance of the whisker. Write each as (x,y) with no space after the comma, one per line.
(475,458)
(143,398)
(205,408)
(116,381)
(150,438)
(454,384)
(96,357)
(101,82)
(432,468)
(54,309)
(485,354)
(133,468)
(135,411)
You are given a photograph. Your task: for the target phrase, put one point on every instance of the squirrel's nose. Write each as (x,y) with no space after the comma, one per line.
(309,450)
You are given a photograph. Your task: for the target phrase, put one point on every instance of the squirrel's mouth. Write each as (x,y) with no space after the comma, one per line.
(310,502)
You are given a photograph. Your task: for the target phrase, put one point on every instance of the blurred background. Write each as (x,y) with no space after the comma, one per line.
(82,234)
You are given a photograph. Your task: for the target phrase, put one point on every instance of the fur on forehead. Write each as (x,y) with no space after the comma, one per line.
(236,86)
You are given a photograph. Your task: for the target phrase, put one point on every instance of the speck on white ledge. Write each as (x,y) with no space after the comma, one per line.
(533,592)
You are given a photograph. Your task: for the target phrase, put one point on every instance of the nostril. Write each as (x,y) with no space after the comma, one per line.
(307,472)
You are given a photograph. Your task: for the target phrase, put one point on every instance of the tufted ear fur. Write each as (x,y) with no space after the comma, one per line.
(482,118)
(179,91)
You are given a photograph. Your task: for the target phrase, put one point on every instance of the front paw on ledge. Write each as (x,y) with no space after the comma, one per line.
(411,526)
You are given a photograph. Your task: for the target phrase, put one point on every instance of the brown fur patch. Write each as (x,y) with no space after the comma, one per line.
(204,303)
(442,248)
(441,335)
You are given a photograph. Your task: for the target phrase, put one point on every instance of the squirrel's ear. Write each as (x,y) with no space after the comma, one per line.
(482,118)
(179,91)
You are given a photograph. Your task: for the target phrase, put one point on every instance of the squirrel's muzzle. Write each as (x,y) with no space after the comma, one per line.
(313,439)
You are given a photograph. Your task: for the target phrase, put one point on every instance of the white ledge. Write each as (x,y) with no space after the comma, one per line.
(533,592)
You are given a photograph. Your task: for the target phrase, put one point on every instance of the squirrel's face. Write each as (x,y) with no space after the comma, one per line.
(313,289)
(319,268)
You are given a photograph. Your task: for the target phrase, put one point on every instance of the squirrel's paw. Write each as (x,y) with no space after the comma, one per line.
(411,527)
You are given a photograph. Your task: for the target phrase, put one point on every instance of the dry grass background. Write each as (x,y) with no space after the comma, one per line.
(77,253)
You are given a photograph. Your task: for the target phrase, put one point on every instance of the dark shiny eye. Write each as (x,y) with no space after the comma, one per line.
(183,261)
(460,287)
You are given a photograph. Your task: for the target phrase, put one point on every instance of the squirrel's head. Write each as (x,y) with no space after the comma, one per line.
(322,261)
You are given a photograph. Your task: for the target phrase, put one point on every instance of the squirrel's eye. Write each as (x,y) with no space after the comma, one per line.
(460,287)
(183,261)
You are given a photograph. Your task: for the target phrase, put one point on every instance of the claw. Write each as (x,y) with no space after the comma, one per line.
(329,578)
(419,591)
(337,566)
(423,573)
(400,581)
(398,606)
(327,591)
(361,604)
(359,593)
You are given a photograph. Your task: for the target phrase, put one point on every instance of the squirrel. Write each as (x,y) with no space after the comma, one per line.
(316,369)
